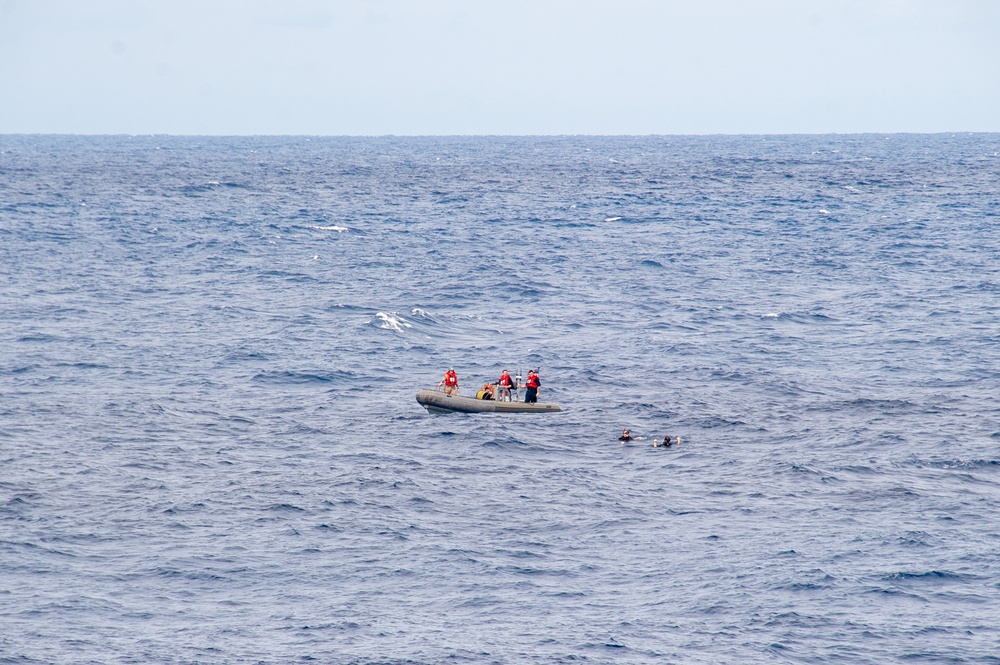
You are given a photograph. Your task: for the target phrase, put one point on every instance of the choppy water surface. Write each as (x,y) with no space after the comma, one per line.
(210,451)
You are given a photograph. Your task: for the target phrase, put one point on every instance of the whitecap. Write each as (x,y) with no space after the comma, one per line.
(824,211)
(612,219)
(392,321)
(338,229)
(770,315)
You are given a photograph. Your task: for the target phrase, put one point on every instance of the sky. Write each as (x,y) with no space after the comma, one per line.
(499,67)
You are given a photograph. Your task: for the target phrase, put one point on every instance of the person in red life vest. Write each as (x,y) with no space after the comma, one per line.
(505,383)
(450,382)
(532,384)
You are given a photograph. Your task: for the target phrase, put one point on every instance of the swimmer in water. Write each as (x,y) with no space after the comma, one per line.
(626,436)
(667,442)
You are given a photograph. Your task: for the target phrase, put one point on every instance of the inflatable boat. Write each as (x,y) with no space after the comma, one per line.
(436,401)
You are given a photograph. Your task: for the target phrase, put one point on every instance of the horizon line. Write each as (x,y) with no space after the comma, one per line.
(576,135)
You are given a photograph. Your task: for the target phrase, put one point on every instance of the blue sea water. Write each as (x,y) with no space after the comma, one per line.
(210,450)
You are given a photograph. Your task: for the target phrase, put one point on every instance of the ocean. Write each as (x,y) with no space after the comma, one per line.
(210,450)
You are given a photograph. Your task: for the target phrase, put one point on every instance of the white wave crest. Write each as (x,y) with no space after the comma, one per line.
(338,229)
(392,321)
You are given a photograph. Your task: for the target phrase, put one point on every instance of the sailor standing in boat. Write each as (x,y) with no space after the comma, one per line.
(505,384)
(450,382)
(531,387)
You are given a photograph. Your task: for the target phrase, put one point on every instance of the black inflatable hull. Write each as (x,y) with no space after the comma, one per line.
(435,400)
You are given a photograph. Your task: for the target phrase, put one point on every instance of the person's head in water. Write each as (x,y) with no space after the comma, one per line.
(667,442)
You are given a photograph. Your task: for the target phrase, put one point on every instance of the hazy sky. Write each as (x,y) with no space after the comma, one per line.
(498,66)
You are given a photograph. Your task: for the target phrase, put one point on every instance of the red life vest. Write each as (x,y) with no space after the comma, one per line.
(532,381)
(450,379)
(505,381)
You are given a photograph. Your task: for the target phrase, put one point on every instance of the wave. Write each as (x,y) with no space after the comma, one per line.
(289,377)
(420,324)
(929,576)
(391,321)
(338,229)
(986,464)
